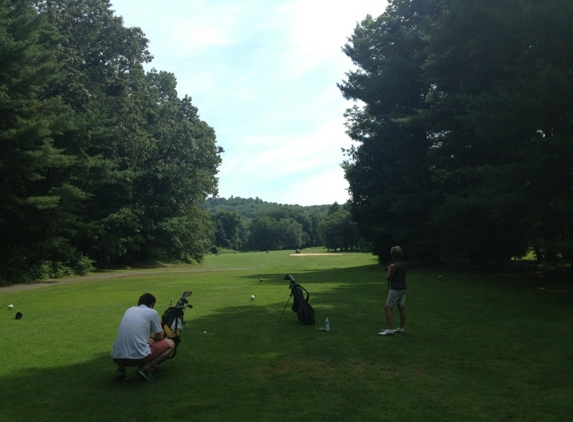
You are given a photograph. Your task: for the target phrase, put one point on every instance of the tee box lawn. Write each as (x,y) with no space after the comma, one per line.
(477,347)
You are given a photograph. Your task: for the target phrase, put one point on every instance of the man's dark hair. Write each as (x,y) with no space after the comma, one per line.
(146,299)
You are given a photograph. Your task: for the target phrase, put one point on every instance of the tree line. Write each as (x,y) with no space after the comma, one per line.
(463,125)
(255,225)
(101,163)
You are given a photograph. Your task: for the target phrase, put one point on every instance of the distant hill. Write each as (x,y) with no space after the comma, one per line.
(249,207)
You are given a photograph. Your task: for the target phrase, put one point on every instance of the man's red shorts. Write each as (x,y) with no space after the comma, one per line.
(157,349)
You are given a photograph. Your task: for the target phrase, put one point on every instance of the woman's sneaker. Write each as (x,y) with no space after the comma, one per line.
(386,333)
(399,330)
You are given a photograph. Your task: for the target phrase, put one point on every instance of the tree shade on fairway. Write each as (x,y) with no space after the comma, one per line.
(451,365)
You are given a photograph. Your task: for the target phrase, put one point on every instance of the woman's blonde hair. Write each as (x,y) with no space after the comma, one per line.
(396,252)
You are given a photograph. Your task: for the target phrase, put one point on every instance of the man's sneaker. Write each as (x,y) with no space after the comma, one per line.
(121,375)
(144,374)
(386,333)
(399,330)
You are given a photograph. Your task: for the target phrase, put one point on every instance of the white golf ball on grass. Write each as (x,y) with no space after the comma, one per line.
(10,306)
(252,297)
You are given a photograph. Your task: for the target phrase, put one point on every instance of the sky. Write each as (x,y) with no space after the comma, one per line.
(263,75)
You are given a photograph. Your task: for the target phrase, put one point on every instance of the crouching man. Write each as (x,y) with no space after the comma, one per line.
(131,346)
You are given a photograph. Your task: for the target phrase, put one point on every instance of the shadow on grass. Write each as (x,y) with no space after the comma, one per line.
(251,367)
(82,392)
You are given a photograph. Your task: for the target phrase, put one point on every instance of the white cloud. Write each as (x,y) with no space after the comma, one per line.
(263,74)
(304,170)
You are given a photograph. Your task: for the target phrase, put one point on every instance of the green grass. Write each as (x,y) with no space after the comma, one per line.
(478,347)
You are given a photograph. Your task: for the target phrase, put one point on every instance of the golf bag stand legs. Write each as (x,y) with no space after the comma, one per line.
(286,304)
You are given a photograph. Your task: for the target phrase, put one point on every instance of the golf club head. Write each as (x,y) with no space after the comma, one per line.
(182,302)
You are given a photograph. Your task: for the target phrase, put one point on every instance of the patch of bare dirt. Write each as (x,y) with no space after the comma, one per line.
(316,254)
(48,283)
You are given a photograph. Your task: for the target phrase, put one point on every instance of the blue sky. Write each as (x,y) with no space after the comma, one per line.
(263,74)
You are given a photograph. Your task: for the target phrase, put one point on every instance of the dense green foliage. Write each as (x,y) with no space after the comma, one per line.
(100,161)
(338,230)
(464,129)
(252,224)
(448,367)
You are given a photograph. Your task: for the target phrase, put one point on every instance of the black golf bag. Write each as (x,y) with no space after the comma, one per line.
(300,305)
(172,320)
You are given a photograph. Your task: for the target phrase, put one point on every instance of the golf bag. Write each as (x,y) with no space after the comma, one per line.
(300,305)
(172,320)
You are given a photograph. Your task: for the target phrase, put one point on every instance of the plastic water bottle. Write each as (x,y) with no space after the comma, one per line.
(327,324)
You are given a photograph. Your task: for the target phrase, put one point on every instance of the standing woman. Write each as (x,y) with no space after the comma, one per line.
(397,292)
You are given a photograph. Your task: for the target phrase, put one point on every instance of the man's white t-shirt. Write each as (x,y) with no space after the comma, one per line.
(138,324)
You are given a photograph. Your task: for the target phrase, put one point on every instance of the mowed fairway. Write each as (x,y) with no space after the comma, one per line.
(478,347)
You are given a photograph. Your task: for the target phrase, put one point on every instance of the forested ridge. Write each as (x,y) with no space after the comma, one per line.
(464,129)
(251,207)
(253,224)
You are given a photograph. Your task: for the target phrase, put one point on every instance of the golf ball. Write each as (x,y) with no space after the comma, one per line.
(439,276)
(10,306)
(252,297)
